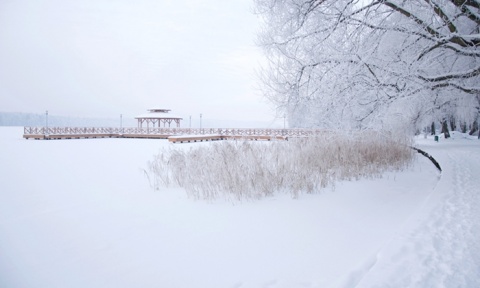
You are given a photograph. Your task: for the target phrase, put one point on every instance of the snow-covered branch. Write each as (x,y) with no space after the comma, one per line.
(353,62)
(457,75)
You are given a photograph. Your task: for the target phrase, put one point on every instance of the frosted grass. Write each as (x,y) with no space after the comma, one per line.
(253,170)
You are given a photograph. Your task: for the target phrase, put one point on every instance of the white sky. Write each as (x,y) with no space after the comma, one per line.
(101,58)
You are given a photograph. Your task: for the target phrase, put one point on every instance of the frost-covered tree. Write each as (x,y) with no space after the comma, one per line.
(363,63)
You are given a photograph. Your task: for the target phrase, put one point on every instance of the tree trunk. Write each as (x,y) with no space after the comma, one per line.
(474,128)
(445,129)
(453,125)
(464,127)
(433,128)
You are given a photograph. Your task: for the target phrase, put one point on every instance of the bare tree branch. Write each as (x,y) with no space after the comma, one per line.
(469,90)
(438,10)
(463,75)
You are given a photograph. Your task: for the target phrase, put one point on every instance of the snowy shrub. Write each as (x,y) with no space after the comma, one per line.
(251,170)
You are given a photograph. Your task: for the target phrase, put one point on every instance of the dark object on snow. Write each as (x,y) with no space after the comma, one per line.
(445,129)
(436,138)
(474,128)
(429,157)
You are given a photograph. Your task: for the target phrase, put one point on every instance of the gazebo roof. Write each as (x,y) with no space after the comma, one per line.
(158,113)
(161,110)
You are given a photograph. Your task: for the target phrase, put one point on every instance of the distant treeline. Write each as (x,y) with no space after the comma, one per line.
(31,119)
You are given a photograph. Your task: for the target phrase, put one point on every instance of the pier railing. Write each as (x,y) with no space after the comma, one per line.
(117,131)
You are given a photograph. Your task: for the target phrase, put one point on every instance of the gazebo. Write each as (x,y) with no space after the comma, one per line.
(156,117)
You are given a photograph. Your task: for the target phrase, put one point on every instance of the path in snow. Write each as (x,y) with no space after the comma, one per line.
(444,248)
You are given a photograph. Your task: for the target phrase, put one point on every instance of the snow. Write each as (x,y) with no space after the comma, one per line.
(81,213)
(440,248)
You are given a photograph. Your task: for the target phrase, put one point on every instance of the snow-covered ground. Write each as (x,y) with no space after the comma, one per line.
(81,213)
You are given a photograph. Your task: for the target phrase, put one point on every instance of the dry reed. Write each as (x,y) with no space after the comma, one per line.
(252,170)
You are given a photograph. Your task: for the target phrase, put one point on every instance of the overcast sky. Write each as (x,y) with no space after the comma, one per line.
(102,58)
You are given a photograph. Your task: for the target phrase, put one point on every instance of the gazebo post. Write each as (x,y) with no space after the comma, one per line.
(158,117)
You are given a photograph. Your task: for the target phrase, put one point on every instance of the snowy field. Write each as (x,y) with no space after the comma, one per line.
(81,213)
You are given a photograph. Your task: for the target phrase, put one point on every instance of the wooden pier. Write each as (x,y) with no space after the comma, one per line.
(201,138)
(174,135)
